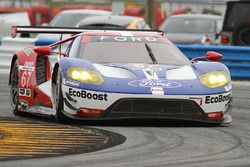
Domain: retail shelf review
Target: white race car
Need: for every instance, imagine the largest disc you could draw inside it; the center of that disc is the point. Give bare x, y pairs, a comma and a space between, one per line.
108, 74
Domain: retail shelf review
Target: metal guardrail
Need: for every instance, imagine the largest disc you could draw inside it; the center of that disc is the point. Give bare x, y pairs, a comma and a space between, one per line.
236, 58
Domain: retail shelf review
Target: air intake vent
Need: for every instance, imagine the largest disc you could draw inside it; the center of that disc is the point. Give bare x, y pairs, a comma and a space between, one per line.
41, 69
180, 108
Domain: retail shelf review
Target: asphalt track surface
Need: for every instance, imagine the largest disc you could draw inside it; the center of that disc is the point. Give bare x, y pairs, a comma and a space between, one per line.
158, 143
34, 139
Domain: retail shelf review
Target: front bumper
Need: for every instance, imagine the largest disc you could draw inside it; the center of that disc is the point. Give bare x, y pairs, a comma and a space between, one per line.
86, 104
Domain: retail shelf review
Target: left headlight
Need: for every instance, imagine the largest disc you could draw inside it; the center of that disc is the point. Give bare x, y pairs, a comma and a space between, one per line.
215, 79
85, 75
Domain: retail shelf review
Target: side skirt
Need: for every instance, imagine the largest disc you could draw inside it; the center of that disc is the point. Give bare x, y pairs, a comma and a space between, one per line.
39, 110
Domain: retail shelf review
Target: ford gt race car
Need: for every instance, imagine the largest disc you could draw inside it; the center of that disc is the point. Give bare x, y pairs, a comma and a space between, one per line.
110, 74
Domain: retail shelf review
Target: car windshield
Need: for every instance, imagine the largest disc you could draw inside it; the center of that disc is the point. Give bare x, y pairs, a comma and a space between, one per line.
67, 20
102, 26
189, 25
131, 52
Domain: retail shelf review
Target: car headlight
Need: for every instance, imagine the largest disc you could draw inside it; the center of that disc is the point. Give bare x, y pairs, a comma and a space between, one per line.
85, 76
214, 79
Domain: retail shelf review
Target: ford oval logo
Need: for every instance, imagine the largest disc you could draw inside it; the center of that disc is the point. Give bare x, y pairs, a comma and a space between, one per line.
155, 83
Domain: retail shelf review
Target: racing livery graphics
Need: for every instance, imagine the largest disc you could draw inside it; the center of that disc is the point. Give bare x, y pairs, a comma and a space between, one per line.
132, 74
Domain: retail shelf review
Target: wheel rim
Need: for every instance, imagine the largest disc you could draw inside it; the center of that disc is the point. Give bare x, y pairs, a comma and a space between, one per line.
14, 86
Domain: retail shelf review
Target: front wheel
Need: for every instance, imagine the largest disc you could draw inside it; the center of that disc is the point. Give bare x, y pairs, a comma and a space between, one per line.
14, 89
60, 117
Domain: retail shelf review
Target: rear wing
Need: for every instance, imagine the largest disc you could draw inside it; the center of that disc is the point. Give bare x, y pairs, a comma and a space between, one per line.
72, 30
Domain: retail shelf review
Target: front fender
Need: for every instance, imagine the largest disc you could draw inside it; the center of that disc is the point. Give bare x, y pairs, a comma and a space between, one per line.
22, 56
206, 67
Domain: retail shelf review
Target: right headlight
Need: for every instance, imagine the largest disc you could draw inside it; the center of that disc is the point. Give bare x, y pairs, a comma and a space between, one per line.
215, 79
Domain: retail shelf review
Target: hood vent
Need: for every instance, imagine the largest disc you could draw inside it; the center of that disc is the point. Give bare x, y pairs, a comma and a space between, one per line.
182, 73
115, 72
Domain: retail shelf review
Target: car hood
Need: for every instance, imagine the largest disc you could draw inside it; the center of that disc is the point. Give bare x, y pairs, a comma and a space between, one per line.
188, 38
137, 78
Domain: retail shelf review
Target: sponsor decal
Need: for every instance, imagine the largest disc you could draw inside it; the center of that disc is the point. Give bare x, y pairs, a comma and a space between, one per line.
86, 95
217, 99
28, 66
24, 92
199, 100
29, 63
28, 51
119, 38
155, 83
157, 91
72, 83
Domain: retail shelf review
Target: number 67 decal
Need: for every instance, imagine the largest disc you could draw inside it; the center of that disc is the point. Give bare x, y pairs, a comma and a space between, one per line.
25, 78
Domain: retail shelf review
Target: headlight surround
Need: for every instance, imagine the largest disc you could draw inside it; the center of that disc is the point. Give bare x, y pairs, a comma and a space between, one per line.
85, 75
215, 79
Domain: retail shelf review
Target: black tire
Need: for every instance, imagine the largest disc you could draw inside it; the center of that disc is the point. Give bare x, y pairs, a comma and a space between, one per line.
58, 97
241, 35
14, 89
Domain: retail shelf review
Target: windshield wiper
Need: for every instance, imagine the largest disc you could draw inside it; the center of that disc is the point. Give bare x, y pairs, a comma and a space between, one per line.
150, 53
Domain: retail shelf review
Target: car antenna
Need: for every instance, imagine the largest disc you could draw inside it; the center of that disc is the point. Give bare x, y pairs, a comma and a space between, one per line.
150, 53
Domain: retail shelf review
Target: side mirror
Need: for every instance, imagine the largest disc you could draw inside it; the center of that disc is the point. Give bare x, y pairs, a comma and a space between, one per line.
43, 50
212, 56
